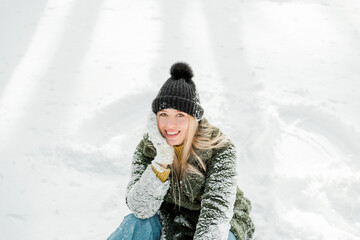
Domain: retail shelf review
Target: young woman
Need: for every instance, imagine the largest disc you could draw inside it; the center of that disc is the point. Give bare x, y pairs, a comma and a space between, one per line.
183, 180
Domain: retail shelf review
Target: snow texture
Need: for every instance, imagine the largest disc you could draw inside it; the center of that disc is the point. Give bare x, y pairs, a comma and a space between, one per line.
279, 77
164, 152
146, 194
217, 203
145, 191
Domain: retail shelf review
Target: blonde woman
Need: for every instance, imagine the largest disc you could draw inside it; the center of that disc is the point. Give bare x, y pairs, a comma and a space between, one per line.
183, 180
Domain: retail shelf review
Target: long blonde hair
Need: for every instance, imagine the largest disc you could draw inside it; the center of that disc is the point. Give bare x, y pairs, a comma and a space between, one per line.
199, 136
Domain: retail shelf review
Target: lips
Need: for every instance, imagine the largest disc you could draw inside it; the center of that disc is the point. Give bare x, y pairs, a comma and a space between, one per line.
171, 134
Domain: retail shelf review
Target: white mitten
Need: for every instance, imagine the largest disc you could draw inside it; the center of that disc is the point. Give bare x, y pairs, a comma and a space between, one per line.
164, 152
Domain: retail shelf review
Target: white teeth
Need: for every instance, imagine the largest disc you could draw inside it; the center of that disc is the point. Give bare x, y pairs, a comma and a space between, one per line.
172, 133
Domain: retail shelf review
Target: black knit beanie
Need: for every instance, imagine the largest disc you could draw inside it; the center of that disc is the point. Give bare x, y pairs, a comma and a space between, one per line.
179, 92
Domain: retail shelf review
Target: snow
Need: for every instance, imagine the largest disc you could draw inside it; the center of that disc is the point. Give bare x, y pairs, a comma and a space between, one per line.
77, 79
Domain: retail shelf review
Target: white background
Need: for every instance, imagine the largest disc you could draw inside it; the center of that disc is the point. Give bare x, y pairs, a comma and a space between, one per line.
281, 78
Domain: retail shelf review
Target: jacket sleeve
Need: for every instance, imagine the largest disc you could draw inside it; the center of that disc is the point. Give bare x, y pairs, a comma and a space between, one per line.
219, 196
243, 226
145, 191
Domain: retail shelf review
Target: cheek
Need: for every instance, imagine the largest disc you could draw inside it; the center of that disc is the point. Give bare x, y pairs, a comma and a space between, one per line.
185, 126
160, 124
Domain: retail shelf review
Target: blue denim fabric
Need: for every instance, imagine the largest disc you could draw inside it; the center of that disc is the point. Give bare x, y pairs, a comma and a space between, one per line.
133, 228
231, 236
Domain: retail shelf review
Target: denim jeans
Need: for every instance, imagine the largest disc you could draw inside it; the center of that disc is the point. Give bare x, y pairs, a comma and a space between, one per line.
133, 228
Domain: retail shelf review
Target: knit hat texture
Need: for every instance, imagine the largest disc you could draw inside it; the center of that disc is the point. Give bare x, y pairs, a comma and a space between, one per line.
179, 92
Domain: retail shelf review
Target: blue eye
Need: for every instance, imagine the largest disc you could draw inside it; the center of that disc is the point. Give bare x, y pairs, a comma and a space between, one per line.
181, 115
162, 114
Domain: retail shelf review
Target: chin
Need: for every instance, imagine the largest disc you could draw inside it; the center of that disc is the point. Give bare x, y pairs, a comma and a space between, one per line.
173, 143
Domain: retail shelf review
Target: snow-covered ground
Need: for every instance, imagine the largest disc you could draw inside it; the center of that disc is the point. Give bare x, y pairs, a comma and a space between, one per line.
280, 77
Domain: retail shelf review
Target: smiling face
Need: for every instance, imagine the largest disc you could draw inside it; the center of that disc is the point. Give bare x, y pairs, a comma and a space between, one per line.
173, 125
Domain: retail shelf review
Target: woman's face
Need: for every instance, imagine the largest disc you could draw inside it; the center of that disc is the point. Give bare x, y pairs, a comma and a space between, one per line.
173, 125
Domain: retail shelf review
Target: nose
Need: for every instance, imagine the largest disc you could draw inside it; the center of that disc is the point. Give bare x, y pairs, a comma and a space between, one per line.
171, 122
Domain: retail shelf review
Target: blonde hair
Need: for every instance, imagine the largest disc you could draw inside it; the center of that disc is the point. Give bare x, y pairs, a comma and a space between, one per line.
198, 137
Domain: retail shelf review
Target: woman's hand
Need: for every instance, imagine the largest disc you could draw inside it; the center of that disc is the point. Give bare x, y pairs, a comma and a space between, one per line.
164, 152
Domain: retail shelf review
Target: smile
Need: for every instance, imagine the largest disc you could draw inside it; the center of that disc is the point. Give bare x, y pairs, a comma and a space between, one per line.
172, 134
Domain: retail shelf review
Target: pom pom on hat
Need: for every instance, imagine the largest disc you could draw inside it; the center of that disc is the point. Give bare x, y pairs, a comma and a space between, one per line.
179, 92
181, 70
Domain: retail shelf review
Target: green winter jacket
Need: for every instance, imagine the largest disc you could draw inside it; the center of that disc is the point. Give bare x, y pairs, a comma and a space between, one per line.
209, 205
